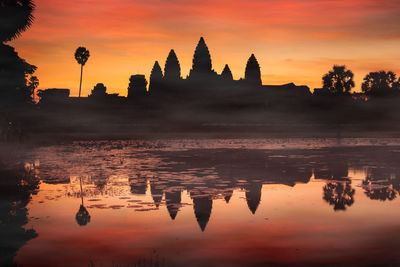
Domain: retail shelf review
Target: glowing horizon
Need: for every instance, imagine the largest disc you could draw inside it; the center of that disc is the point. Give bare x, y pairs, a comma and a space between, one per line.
294, 40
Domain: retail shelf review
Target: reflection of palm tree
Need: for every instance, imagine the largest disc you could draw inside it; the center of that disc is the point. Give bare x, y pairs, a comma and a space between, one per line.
339, 194
82, 216
81, 56
15, 18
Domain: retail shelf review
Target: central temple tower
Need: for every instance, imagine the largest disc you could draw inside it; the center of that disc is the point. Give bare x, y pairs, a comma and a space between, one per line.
202, 65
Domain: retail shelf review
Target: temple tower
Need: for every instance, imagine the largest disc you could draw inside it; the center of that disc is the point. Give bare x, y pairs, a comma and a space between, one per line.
202, 66
137, 86
156, 77
226, 74
253, 73
172, 69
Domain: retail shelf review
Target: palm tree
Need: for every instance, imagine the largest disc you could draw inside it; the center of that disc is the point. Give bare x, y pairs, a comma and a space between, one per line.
15, 17
81, 55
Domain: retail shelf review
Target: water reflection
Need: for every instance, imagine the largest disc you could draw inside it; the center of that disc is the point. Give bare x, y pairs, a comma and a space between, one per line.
173, 200
94, 173
209, 174
82, 216
202, 206
339, 194
382, 183
16, 187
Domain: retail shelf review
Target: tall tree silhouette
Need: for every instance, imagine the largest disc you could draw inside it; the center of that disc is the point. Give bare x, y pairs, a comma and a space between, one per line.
81, 55
172, 69
14, 81
15, 17
253, 72
339, 80
381, 83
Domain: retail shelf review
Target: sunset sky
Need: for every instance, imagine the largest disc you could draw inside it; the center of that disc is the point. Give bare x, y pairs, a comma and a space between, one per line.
294, 40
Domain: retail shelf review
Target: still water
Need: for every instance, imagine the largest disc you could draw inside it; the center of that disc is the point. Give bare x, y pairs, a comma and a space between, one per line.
239, 202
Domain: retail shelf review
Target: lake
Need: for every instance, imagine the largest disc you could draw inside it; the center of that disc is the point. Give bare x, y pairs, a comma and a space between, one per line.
202, 202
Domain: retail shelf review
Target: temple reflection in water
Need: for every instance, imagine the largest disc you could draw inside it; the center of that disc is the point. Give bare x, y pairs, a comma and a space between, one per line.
91, 188
210, 174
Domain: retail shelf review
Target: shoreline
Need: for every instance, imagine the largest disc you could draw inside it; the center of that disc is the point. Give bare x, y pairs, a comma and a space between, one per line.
55, 138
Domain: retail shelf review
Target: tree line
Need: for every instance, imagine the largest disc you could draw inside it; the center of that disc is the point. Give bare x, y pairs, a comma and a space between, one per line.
339, 81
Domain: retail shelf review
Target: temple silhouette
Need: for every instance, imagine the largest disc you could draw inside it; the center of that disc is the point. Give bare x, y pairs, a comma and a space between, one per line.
173, 102
210, 100
203, 86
